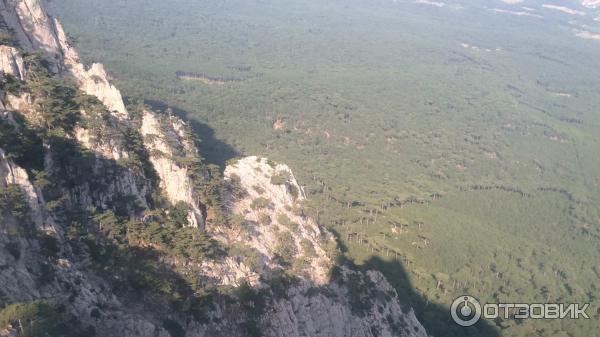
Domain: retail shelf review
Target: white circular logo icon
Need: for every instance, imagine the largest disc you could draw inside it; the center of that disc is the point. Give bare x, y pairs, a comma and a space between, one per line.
465, 310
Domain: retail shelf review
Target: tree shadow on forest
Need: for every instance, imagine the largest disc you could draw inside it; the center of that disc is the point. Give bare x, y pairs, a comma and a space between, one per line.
214, 150
434, 317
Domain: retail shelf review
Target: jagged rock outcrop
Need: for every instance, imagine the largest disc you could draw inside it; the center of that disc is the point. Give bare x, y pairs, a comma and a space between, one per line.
302, 314
285, 257
95, 82
270, 209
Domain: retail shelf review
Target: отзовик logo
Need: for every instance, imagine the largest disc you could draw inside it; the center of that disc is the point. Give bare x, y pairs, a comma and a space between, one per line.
465, 310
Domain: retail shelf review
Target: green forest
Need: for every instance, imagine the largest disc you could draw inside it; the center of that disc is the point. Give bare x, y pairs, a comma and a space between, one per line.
456, 149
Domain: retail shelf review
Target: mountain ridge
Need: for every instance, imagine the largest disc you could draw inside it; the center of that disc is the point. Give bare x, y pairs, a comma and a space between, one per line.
114, 226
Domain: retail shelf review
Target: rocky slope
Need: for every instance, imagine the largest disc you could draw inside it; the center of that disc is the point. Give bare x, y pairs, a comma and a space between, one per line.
113, 226
590, 3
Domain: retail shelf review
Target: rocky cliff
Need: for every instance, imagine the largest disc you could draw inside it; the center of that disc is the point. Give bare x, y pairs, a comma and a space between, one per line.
112, 225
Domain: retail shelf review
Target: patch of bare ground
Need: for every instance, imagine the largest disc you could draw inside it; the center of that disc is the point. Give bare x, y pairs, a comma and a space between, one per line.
564, 9
517, 13
585, 34
430, 3
205, 78
279, 124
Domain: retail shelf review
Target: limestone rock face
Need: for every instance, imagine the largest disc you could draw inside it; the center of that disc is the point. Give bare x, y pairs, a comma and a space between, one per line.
106, 149
329, 314
11, 62
13, 174
34, 29
323, 311
94, 82
174, 178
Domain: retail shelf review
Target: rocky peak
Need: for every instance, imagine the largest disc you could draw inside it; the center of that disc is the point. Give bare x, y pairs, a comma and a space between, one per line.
36, 31
268, 200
